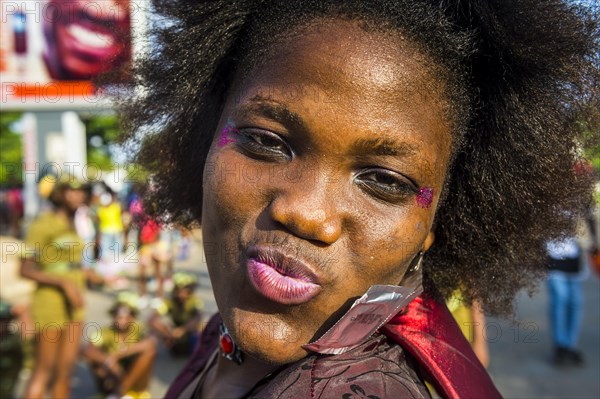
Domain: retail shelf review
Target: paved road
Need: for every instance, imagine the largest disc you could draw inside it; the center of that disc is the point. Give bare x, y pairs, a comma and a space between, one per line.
520, 353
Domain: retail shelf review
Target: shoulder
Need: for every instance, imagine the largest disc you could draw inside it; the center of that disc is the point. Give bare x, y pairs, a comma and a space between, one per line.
43, 228
43, 219
104, 337
137, 331
194, 304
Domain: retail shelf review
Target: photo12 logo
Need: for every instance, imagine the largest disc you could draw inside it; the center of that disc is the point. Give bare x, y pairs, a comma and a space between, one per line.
87, 173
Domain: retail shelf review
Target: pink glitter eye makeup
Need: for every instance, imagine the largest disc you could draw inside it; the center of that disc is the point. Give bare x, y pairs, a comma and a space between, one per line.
228, 130
425, 197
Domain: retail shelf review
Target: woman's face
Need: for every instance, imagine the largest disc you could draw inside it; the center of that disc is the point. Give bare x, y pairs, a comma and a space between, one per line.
183, 294
74, 198
322, 180
123, 319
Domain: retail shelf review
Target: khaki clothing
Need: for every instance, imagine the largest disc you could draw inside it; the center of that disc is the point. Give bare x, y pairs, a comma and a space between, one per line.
57, 249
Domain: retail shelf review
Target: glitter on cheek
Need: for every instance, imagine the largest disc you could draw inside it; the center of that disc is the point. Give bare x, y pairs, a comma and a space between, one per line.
425, 197
228, 129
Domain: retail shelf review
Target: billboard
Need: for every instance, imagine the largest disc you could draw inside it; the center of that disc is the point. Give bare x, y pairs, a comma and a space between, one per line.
52, 50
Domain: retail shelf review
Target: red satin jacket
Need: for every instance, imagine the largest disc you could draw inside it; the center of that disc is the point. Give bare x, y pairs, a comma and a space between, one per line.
421, 342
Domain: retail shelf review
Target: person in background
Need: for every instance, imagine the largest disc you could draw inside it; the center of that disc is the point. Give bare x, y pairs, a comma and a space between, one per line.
84, 225
177, 320
133, 217
156, 246
122, 356
110, 226
566, 261
566, 299
11, 351
184, 240
156, 253
52, 258
16, 209
471, 321
4, 213
567, 270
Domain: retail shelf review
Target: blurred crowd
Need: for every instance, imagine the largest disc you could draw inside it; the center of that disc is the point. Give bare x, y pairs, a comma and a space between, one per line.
89, 237
11, 210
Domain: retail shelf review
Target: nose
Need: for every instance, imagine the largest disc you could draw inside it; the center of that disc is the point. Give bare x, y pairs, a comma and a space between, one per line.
309, 208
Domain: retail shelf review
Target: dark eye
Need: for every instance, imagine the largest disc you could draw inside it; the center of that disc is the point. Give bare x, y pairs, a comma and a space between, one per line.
263, 144
386, 185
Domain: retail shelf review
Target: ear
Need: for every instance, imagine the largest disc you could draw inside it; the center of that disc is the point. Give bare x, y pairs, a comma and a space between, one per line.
428, 241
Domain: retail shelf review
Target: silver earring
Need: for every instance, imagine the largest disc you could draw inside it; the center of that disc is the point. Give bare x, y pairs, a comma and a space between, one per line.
416, 266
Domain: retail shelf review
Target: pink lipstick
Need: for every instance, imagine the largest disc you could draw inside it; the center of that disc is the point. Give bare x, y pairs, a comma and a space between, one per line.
281, 278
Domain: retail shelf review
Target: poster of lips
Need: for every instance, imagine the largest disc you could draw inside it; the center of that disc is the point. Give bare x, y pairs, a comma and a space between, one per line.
52, 52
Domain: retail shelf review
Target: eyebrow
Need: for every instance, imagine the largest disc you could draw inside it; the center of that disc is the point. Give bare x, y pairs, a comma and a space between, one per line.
382, 146
275, 111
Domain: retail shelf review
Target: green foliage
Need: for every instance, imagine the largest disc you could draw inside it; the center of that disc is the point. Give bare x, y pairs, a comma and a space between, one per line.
592, 153
589, 125
106, 127
11, 153
136, 173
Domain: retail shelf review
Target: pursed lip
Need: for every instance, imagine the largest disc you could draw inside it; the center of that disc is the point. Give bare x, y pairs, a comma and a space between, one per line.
281, 277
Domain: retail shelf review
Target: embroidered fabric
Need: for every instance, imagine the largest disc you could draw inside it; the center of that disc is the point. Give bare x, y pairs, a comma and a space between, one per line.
377, 368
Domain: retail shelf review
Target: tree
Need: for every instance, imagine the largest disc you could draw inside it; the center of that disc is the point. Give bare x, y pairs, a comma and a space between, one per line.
586, 114
11, 149
102, 130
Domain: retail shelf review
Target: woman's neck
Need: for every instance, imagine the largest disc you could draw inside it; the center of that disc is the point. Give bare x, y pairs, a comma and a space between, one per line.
123, 334
64, 212
226, 379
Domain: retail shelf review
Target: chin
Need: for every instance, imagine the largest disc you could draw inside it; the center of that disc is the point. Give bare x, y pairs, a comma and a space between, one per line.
267, 338
275, 353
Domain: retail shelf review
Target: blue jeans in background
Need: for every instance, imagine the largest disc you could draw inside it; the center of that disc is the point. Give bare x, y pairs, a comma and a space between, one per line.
566, 308
111, 245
